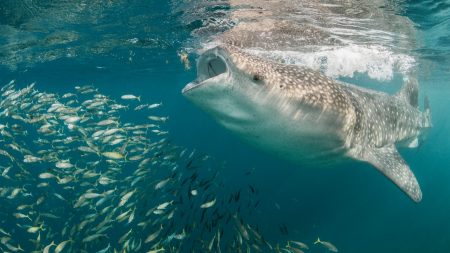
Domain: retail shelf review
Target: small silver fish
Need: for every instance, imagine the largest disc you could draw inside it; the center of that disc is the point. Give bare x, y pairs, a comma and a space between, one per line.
113, 155
130, 97
156, 105
159, 119
326, 244
153, 236
208, 204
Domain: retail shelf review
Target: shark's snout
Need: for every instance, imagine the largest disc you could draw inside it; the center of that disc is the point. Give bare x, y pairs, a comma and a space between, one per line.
211, 64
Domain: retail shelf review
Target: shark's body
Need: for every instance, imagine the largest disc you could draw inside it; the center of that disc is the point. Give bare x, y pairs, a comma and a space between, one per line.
303, 116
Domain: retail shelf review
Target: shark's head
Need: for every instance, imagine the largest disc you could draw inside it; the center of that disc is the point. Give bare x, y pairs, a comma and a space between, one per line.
229, 83
224, 69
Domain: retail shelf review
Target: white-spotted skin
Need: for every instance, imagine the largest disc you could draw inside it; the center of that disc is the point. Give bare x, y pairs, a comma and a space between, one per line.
303, 116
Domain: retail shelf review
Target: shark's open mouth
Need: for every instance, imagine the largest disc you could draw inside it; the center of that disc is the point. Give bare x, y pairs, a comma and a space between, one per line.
210, 65
216, 67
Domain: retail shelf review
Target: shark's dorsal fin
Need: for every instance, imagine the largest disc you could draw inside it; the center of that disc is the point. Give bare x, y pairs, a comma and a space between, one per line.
389, 162
410, 92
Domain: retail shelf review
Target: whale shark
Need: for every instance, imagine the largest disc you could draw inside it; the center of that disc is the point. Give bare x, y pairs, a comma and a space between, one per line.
303, 116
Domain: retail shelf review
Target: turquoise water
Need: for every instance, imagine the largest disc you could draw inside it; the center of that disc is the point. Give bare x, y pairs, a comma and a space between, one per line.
133, 47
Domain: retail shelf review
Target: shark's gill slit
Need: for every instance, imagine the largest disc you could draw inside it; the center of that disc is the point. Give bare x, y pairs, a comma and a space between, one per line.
216, 67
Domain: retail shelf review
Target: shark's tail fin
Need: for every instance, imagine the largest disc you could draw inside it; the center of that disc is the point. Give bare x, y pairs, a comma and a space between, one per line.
427, 113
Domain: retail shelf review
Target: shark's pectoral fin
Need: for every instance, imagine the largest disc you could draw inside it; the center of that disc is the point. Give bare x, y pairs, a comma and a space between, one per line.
389, 162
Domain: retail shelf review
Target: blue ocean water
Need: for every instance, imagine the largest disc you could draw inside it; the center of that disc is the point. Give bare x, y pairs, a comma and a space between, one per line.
134, 47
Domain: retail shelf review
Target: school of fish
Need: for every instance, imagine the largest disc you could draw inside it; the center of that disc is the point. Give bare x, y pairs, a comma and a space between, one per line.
75, 177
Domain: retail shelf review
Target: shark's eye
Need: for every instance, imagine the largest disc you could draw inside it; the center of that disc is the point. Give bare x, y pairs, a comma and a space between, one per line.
258, 79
